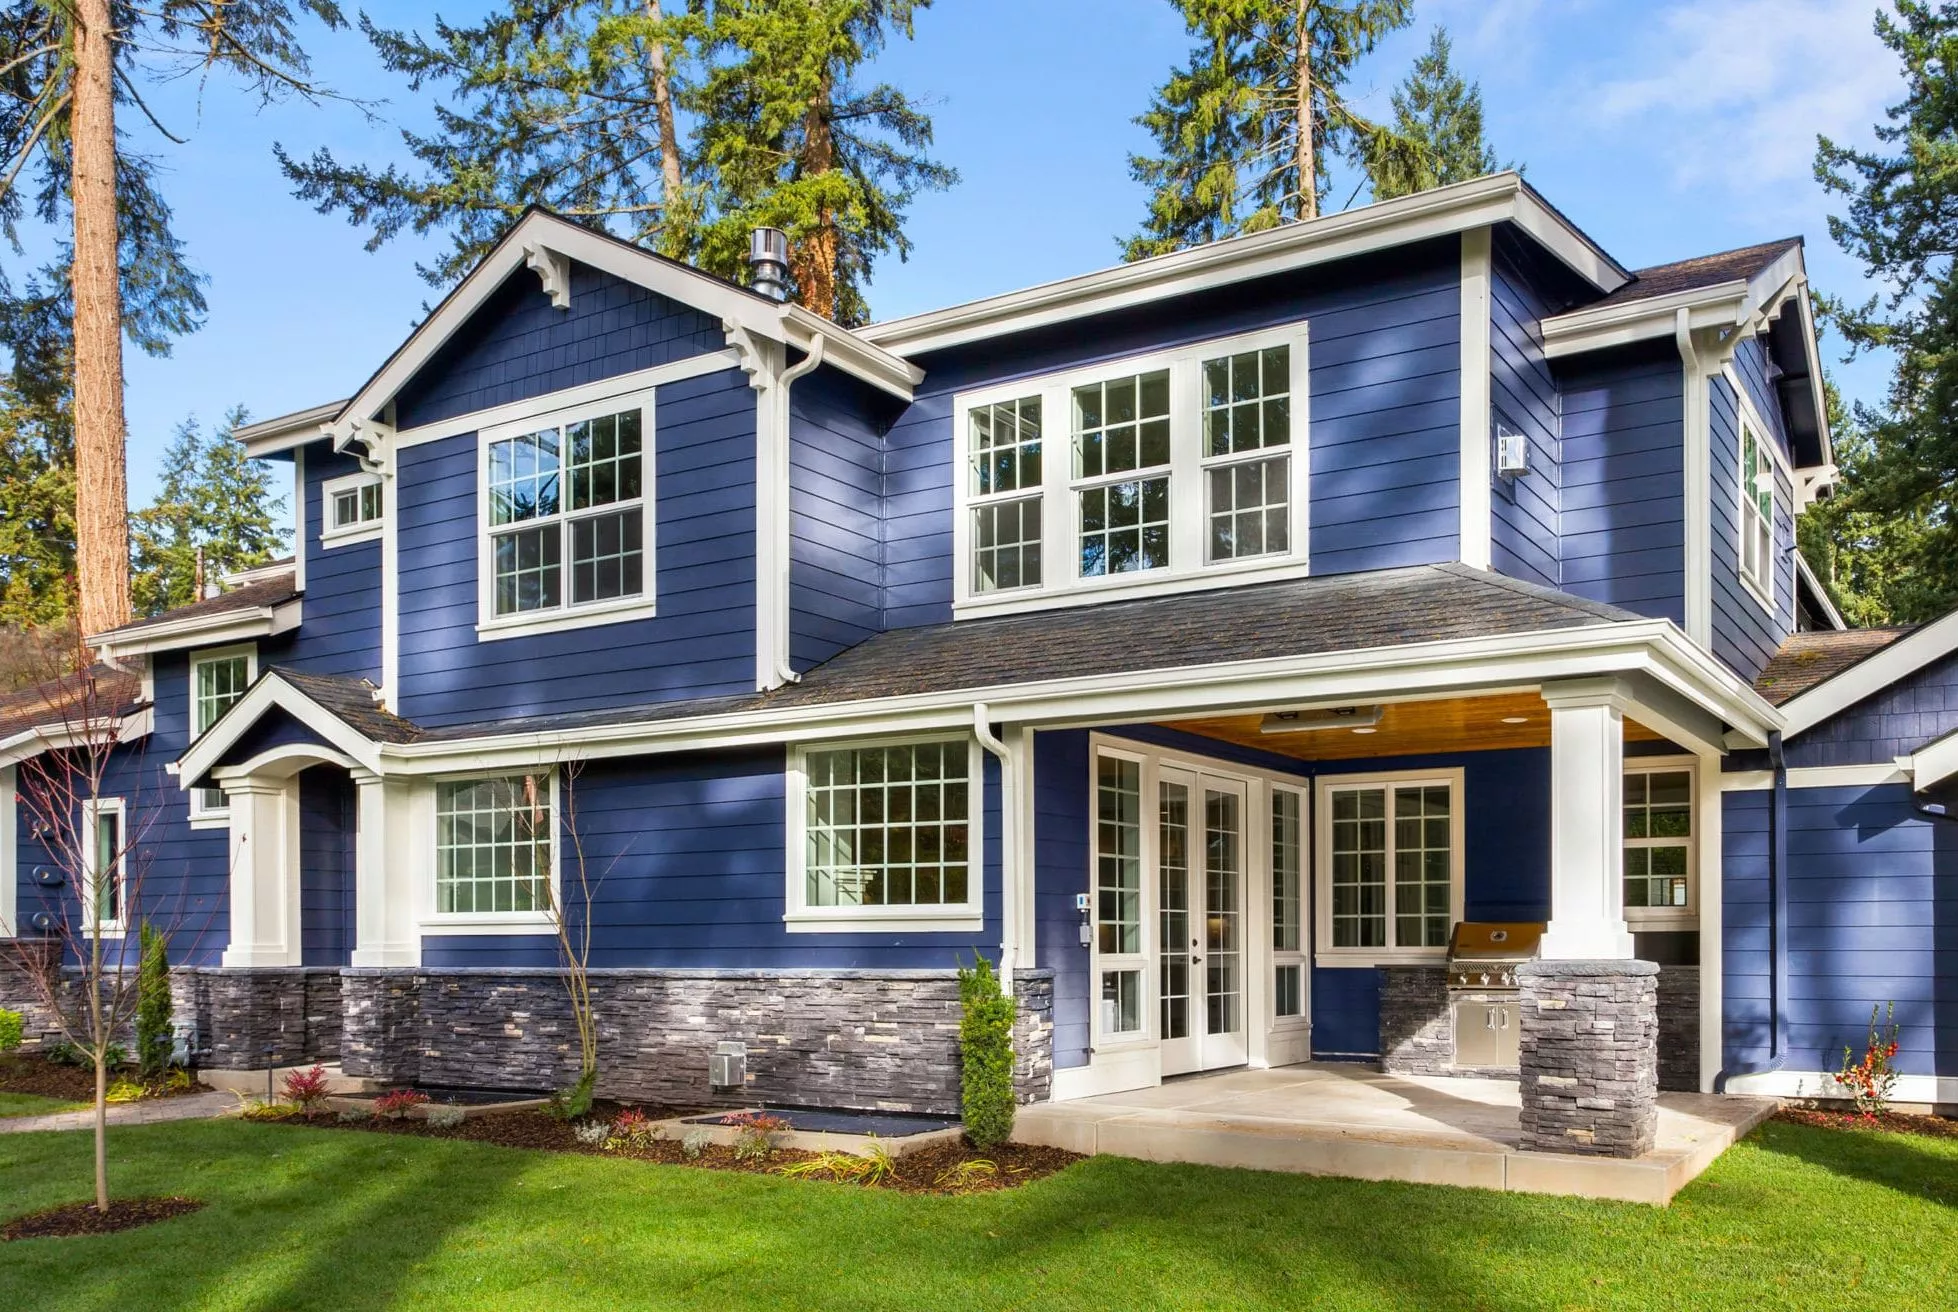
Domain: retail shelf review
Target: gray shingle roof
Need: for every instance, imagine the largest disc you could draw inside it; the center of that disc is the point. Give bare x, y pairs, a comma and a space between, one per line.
54, 703
273, 591
351, 701
1700, 271
1806, 660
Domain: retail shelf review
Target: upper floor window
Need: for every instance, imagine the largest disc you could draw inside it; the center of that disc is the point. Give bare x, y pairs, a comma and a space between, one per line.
1177, 465
1756, 512
567, 518
218, 681
351, 509
1391, 847
1659, 856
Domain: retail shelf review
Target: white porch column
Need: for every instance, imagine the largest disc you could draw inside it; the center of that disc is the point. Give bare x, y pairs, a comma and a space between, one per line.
1587, 784
264, 872
384, 898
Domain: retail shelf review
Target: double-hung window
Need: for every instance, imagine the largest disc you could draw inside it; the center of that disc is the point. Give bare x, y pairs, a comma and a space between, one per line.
1287, 917
351, 509
1756, 512
217, 681
1175, 466
105, 889
494, 847
568, 511
1391, 849
1659, 856
884, 833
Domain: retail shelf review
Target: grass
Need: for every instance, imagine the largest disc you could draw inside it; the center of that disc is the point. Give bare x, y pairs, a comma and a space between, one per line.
31, 1104
1794, 1217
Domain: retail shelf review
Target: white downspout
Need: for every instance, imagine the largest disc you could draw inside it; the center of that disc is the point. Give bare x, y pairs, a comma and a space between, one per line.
780, 475
1009, 845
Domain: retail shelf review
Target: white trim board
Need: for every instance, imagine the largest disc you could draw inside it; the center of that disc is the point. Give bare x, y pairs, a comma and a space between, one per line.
9, 853
1871, 675
209, 630
1477, 427
1820, 776
1930, 1089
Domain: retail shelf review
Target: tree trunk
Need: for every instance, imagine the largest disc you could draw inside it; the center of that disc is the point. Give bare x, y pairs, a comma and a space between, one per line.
1305, 149
812, 261
674, 223
101, 480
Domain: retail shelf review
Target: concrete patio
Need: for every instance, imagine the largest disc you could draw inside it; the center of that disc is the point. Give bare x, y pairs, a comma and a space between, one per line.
1350, 1120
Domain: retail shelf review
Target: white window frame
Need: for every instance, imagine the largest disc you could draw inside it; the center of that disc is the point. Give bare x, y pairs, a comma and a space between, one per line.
1688, 916
9, 855
1302, 956
489, 625
93, 809
203, 815
1189, 567
1325, 953
451, 923
1747, 416
799, 917
1143, 961
335, 534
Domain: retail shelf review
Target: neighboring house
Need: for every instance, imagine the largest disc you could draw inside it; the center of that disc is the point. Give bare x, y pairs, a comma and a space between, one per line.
1201, 638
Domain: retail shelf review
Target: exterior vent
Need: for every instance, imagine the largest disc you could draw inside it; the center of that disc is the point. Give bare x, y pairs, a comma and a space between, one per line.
727, 1068
768, 257
1512, 452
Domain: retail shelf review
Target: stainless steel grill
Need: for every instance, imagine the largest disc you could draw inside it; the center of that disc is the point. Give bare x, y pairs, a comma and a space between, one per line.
1483, 993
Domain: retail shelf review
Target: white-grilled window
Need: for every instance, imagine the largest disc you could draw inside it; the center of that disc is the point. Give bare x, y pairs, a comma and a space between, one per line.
1118, 900
1287, 916
567, 518
1756, 512
351, 509
1659, 856
1391, 849
1121, 468
1247, 432
1005, 480
494, 847
887, 832
105, 890
217, 681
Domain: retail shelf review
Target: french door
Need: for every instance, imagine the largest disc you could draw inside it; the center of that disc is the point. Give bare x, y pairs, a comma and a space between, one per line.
1201, 933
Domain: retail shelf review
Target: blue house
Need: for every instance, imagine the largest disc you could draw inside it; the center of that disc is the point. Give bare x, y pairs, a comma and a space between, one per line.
1202, 639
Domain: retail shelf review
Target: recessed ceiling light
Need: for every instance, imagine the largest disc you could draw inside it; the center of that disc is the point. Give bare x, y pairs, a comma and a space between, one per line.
1366, 731
1515, 719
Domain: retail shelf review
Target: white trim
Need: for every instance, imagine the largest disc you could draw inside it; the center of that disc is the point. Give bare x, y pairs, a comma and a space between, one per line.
1825, 776
267, 694
566, 615
1804, 572
1188, 567
390, 697
283, 762
1696, 421
201, 815
798, 917
1934, 762
1871, 675
289, 432
1477, 432
1709, 822
333, 534
424, 813
1748, 416
1325, 954
569, 398
93, 809
1688, 916
1721, 308
1439, 212
1114, 1071
206, 630
1937, 1090
9, 851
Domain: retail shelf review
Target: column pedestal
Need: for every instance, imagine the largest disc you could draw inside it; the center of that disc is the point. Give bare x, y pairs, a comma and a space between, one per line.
1590, 1061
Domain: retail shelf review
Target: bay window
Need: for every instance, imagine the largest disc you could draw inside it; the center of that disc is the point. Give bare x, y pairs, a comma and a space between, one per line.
1391, 849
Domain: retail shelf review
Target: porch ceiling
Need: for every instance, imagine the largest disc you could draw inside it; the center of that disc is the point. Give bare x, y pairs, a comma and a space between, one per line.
1414, 728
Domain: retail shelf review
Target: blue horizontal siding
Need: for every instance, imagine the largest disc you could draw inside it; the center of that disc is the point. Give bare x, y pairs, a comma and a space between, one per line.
340, 630
326, 867
701, 641
1525, 526
1746, 632
836, 517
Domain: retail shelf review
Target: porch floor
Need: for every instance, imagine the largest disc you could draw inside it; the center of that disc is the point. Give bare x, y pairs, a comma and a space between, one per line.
1350, 1120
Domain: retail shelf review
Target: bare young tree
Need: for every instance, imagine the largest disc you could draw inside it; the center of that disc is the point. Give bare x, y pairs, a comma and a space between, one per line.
571, 915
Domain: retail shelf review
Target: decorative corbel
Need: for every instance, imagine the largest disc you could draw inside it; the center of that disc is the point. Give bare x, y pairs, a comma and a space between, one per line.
370, 441
553, 269
752, 362
1811, 485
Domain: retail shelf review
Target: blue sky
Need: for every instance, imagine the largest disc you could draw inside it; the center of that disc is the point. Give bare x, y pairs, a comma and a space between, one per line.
1664, 130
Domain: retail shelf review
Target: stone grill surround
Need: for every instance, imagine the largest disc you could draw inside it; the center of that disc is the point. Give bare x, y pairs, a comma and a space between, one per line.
1590, 1063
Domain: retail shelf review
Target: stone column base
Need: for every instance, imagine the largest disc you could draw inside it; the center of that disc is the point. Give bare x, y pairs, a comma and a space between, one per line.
1590, 1063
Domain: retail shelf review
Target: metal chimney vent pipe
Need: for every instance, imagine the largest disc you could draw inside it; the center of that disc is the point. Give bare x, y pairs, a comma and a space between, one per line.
768, 256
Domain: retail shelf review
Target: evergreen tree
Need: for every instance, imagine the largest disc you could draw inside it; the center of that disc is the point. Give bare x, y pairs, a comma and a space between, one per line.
1247, 129
1903, 225
569, 104
37, 509
213, 515
1437, 133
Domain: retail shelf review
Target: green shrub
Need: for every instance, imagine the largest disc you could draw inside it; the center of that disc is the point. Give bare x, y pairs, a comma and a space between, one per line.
11, 1027
67, 1054
985, 1056
153, 1038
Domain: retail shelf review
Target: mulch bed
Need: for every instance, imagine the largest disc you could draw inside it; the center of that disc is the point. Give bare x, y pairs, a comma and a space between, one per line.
918, 1171
1932, 1127
71, 1219
29, 1072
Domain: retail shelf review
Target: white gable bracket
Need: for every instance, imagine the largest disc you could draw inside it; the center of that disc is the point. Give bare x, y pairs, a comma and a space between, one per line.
553, 269
370, 441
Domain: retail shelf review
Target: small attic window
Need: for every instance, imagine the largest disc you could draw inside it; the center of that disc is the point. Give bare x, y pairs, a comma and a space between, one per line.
351, 509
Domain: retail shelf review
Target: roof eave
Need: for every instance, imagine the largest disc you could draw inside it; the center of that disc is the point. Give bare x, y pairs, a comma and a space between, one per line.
199, 631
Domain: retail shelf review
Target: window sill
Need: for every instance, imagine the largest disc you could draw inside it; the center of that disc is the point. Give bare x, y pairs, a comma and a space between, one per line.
489, 924
1146, 583
1358, 957
559, 621
210, 820
953, 921
1753, 588
347, 537
1662, 918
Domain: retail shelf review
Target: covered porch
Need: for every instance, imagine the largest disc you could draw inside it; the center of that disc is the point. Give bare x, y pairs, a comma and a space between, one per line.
1345, 1119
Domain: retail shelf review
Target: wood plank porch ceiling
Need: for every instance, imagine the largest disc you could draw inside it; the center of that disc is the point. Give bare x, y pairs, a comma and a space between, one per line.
1456, 724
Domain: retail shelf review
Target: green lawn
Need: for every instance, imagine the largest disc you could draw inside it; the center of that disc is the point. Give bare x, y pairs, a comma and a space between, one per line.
28, 1104
1793, 1218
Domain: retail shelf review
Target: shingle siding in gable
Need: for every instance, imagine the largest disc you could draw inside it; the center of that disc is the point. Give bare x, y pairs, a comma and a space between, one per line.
836, 533
701, 642
1526, 510
1385, 411
517, 345
1895, 722
1623, 511
1745, 631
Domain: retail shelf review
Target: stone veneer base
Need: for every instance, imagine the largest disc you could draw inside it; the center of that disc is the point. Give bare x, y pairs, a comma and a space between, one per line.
1590, 1061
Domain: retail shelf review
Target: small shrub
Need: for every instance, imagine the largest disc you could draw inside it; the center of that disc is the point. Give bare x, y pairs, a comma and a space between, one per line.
694, 1143
444, 1116
125, 1091
1871, 1080
356, 1115
306, 1090
176, 1081
257, 1109
569, 1104
877, 1165
632, 1131
12, 1026
397, 1103
67, 1054
154, 1041
961, 1176
592, 1134
755, 1135
985, 1056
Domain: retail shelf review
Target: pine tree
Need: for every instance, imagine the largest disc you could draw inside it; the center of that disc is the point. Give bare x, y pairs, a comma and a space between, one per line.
1902, 225
37, 510
569, 104
1247, 129
1437, 130
213, 515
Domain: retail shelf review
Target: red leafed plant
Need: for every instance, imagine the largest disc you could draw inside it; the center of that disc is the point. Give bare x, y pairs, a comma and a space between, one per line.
1871, 1080
396, 1103
306, 1090
755, 1133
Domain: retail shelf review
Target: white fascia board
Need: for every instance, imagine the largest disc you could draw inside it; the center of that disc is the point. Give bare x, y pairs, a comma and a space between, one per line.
1805, 307
1934, 762
1721, 305
271, 436
851, 353
30, 743
1808, 575
1871, 675
267, 694
1441, 212
201, 631
1648, 647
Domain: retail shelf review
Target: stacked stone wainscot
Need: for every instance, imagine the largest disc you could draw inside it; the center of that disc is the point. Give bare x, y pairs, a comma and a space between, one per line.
1590, 1059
